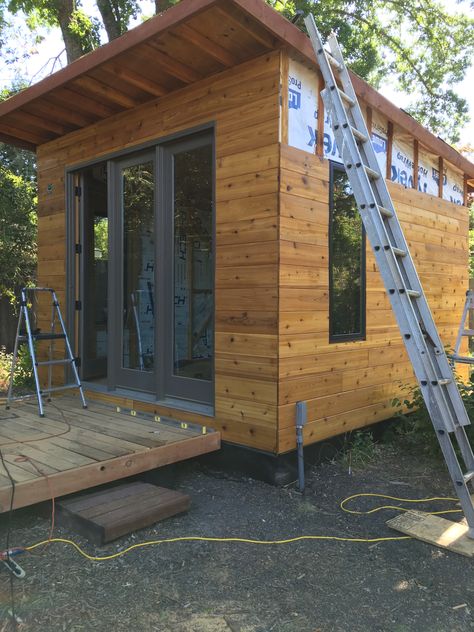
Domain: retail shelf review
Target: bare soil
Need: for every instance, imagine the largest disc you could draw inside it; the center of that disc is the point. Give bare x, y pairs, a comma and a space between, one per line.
206, 587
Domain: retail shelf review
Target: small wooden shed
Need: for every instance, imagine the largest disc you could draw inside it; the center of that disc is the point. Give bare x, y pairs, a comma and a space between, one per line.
197, 223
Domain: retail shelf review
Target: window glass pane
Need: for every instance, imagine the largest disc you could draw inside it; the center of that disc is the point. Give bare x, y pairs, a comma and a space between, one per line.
138, 266
347, 261
193, 325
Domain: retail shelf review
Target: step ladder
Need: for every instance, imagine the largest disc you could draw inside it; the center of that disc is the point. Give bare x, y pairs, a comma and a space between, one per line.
408, 301
25, 334
464, 331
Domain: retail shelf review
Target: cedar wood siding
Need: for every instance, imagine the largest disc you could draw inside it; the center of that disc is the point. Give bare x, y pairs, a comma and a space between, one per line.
244, 104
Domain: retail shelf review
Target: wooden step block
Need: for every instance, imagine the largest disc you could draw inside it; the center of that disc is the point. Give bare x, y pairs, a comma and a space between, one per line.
435, 530
109, 514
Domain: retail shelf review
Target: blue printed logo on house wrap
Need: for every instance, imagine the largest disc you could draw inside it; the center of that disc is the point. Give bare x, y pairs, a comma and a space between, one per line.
294, 99
379, 144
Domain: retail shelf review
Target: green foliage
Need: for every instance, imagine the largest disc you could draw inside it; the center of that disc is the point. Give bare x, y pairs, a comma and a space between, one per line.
17, 231
359, 449
23, 376
422, 46
415, 426
85, 29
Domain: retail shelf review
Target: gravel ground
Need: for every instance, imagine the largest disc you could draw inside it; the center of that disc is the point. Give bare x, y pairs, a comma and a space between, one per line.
206, 587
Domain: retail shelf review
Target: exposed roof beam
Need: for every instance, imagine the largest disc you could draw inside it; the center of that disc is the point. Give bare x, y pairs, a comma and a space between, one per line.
219, 53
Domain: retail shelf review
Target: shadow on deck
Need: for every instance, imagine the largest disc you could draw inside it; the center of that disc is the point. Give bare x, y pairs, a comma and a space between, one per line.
72, 449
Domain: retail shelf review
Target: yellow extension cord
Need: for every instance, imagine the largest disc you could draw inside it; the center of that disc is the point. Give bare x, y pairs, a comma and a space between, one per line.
139, 545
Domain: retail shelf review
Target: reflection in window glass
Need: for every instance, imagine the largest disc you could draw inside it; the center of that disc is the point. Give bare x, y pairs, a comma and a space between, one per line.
346, 261
138, 266
193, 325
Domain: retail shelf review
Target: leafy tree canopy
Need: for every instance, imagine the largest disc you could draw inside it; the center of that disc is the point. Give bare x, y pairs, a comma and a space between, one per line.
17, 231
17, 214
423, 47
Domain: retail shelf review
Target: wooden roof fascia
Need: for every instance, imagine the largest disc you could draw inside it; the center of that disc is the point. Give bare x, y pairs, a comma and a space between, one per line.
291, 34
139, 35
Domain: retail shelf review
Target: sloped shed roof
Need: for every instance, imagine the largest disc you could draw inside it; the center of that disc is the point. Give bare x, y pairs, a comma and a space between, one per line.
192, 40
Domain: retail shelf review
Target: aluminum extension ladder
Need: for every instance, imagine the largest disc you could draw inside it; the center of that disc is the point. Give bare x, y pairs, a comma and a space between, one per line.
383, 229
464, 331
29, 336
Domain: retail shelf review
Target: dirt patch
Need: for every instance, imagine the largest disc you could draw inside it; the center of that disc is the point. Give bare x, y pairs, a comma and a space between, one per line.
206, 587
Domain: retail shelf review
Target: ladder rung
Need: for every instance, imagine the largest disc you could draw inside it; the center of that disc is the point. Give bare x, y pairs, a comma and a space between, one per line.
462, 359
468, 332
47, 336
52, 362
359, 136
333, 61
345, 97
385, 211
468, 476
55, 389
444, 381
398, 252
413, 293
371, 173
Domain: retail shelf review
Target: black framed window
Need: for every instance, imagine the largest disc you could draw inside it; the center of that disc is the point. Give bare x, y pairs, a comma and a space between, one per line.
346, 261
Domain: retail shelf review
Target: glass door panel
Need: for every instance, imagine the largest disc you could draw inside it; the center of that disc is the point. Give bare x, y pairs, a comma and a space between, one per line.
138, 334
94, 273
135, 258
190, 359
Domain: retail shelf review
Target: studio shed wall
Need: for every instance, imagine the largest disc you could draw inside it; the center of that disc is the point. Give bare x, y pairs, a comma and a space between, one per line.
352, 384
244, 105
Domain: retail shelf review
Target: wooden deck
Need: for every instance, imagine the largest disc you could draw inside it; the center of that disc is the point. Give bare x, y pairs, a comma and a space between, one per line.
71, 449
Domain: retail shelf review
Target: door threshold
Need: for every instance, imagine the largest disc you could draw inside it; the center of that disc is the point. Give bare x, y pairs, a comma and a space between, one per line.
139, 396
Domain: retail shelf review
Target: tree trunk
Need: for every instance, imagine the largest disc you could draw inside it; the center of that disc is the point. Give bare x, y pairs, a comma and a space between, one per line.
163, 5
109, 18
64, 10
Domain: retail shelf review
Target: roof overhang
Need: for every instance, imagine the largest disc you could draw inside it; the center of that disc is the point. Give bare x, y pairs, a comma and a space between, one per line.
193, 40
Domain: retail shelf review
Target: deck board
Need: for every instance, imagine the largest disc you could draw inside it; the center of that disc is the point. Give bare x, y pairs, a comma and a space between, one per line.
72, 449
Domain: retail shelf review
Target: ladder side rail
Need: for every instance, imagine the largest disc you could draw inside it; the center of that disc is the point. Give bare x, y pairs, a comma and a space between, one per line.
51, 348
70, 354
465, 311
29, 335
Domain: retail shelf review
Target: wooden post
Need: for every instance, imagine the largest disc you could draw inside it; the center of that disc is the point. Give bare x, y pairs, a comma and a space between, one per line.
465, 191
440, 169
320, 130
388, 174
416, 162
369, 119
284, 73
